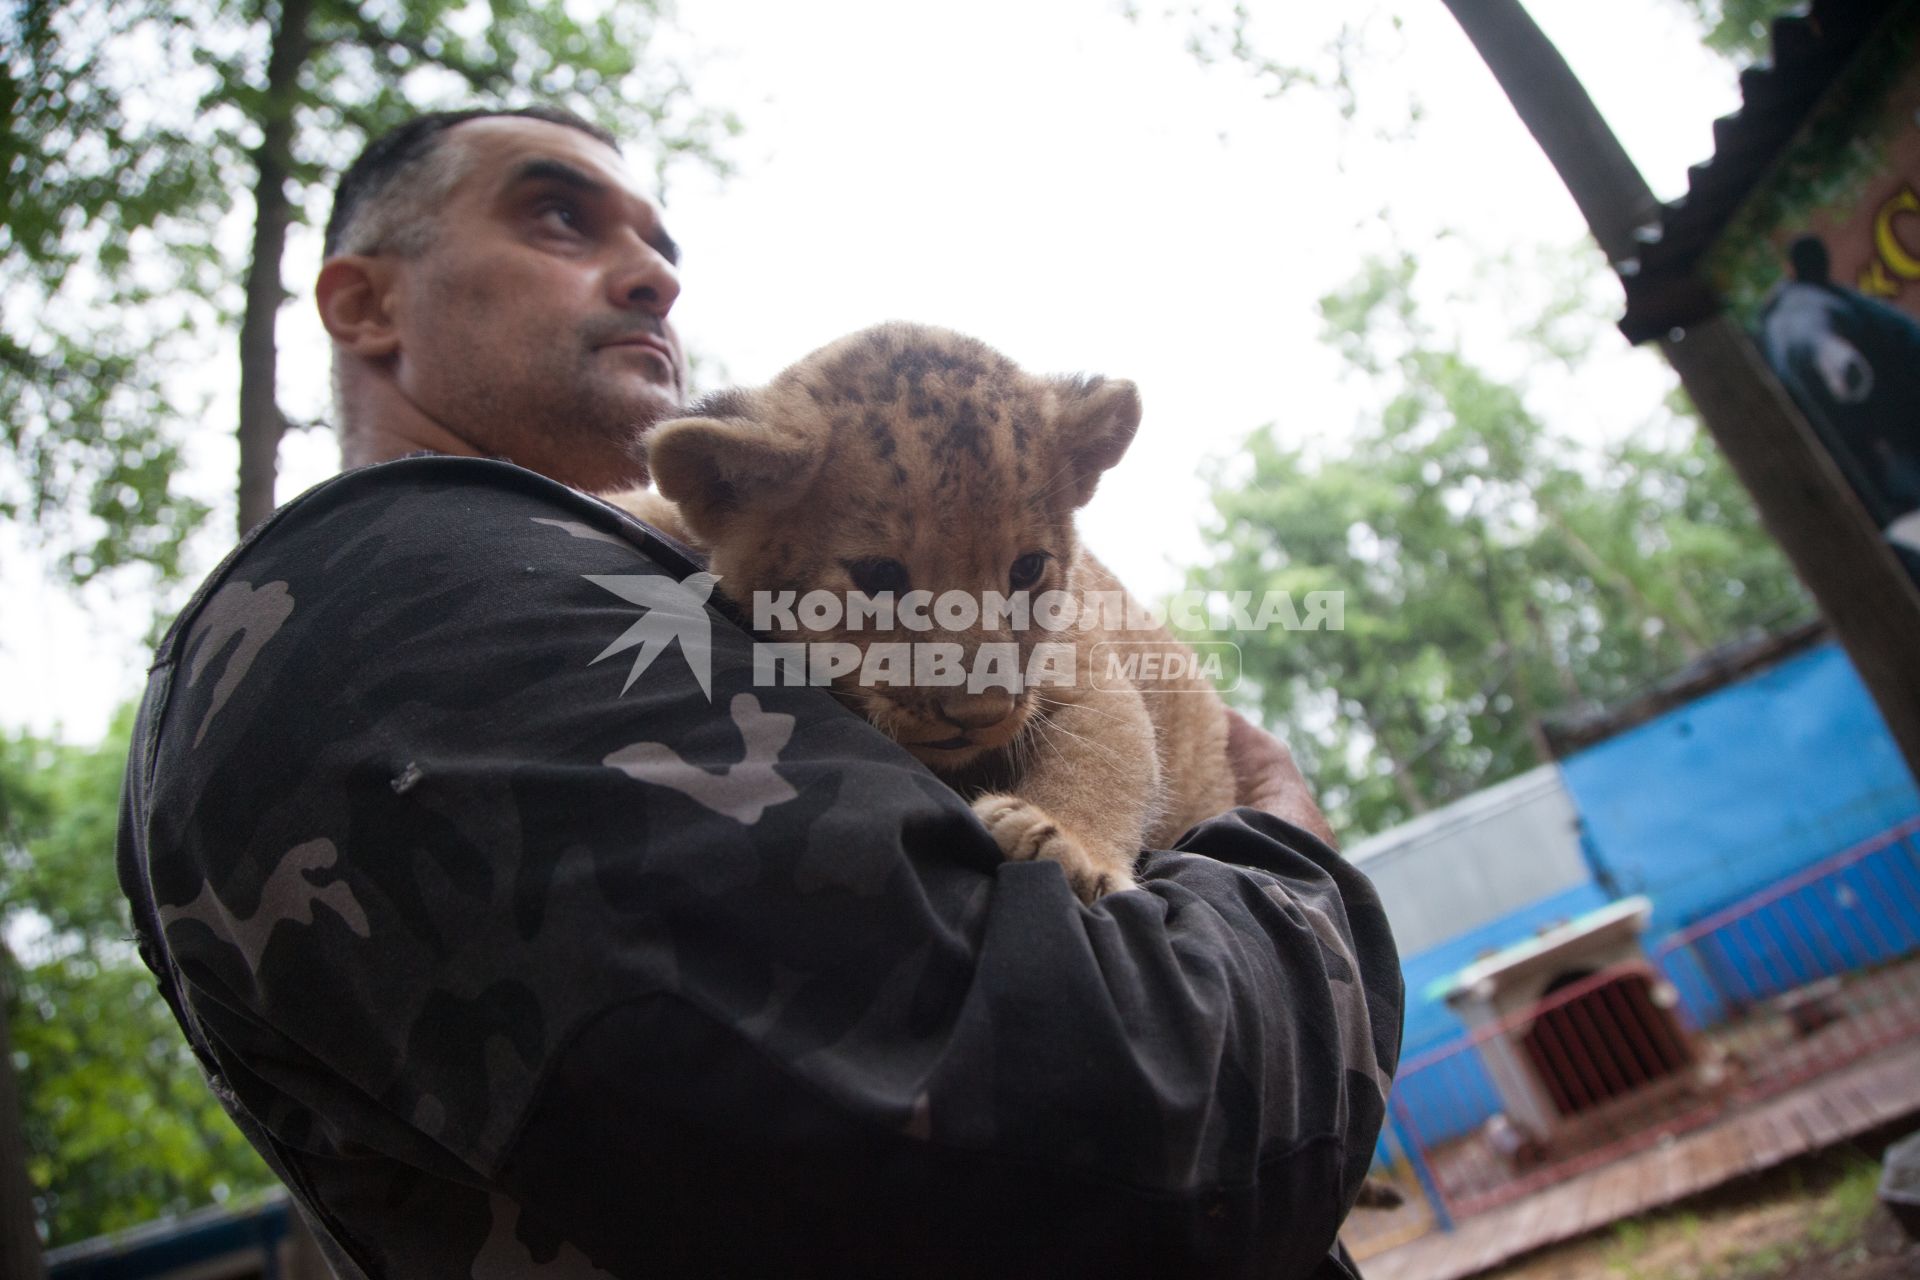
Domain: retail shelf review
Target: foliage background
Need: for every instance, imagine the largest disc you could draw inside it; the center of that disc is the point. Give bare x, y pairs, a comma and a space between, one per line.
119, 1125
1495, 572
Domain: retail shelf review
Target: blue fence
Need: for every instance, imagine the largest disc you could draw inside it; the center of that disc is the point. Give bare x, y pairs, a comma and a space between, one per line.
1857, 910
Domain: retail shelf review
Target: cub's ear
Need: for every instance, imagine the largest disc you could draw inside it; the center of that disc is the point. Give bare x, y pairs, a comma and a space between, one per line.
1098, 417
718, 468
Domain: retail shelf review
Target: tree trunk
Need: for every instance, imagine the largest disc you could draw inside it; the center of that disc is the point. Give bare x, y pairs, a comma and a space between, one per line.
1552, 103
19, 1238
1403, 779
1692, 644
1516, 668
261, 422
1807, 506
1569, 681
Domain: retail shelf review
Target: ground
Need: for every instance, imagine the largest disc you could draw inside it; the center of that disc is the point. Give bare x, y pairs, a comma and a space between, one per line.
1814, 1219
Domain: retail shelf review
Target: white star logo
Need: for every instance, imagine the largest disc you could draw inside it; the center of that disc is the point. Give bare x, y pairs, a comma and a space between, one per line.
674, 611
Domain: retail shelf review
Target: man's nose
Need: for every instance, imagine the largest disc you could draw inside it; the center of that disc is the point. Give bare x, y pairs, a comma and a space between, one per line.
643, 279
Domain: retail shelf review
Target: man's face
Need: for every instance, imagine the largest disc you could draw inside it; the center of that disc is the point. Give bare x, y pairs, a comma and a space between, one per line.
535, 324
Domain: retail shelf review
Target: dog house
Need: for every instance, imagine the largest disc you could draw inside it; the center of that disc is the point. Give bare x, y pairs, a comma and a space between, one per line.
1575, 1026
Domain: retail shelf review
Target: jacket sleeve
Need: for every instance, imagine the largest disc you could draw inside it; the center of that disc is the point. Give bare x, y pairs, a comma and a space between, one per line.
531, 924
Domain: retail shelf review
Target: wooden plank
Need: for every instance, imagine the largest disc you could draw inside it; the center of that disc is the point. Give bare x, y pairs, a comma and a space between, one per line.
1827, 1103
1696, 1165
1439, 1255
1746, 1142
1892, 1095
1813, 1120
1854, 1112
1565, 1211
1551, 1215
1738, 1147
1620, 1191
1490, 1247
1727, 1156
1788, 1135
1512, 1230
1403, 1263
1663, 1173
1537, 1213
1574, 1211
1892, 1086
1772, 1137
1462, 1249
1886, 1091
1433, 1260
1793, 1135
1394, 1264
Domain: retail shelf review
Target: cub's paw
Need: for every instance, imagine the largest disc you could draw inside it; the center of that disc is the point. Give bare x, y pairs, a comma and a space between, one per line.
1025, 832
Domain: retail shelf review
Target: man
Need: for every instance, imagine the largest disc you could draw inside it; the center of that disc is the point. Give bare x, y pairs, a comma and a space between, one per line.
515, 961
498, 287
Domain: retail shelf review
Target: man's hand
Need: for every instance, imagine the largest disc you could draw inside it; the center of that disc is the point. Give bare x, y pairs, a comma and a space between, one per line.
1265, 777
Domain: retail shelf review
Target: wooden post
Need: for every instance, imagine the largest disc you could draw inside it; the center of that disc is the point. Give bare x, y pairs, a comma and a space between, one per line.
301, 1256
1813, 513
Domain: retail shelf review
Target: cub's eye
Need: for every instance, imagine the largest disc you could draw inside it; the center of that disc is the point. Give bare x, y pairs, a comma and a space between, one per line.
876, 576
1027, 570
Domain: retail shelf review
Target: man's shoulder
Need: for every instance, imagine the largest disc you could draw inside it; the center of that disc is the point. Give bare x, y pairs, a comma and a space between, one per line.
428, 582
432, 499
406, 620
477, 486
417, 523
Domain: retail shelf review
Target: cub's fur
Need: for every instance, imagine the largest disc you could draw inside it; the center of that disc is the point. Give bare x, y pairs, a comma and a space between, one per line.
915, 459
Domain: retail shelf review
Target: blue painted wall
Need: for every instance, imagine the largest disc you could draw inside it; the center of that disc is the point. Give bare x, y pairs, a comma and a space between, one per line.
1751, 783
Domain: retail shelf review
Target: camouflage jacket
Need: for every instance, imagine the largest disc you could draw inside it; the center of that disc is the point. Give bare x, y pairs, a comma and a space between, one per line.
526, 935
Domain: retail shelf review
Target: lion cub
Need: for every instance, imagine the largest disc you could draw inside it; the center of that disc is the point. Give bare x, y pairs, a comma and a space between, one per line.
919, 469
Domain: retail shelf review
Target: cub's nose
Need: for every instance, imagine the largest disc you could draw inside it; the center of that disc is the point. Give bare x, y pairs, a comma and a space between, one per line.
977, 710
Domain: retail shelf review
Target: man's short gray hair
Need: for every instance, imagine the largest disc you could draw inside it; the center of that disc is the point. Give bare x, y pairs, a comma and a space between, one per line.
398, 218
388, 198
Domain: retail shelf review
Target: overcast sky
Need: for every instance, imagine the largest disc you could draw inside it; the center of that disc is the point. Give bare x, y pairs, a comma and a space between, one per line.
1078, 191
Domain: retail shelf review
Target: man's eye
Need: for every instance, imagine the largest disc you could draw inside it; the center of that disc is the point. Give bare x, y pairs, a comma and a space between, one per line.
560, 213
876, 576
1026, 571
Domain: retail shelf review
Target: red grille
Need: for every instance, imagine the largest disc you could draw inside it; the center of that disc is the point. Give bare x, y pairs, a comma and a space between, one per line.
1604, 1044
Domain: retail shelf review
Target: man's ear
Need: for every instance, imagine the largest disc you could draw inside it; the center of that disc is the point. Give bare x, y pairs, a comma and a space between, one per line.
719, 468
352, 295
1098, 417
